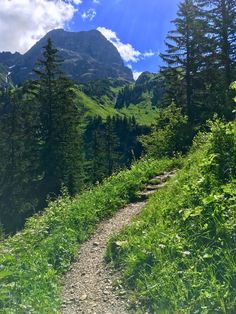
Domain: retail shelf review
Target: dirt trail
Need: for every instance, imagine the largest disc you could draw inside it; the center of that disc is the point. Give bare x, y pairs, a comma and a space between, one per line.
88, 285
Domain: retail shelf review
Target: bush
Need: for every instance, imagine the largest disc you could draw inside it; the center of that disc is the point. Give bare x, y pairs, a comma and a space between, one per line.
169, 135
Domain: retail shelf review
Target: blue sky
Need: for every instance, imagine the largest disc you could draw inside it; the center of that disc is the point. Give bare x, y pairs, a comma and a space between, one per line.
141, 23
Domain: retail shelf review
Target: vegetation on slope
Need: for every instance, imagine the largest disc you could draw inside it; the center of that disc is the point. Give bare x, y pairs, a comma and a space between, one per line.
95, 106
179, 256
52, 134
32, 260
142, 99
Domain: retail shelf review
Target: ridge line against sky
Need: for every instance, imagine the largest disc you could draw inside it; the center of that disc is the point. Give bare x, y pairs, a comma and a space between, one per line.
137, 28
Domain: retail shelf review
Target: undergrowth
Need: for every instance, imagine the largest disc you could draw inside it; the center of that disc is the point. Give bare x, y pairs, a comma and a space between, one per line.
179, 255
32, 261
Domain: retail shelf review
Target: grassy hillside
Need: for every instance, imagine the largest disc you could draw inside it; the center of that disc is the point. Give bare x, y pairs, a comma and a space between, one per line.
32, 260
93, 107
144, 112
108, 97
179, 256
141, 99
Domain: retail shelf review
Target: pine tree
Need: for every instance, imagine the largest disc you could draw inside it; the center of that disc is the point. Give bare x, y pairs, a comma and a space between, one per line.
61, 155
112, 144
94, 138
221, 16
19, 167
185, 48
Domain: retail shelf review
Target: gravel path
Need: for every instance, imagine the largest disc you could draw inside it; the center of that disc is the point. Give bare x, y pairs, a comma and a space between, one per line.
87, 287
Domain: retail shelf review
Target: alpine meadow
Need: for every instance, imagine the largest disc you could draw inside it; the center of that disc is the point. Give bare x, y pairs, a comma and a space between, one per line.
118, 157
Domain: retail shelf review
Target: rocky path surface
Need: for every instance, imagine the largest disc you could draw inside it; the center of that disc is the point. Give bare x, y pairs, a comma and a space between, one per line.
87, 287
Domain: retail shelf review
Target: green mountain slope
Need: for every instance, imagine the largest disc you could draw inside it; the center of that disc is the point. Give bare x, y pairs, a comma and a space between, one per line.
179, 255
116, 97
93, 108
142, 98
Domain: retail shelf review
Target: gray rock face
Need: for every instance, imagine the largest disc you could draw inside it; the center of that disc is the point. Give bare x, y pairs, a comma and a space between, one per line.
87, 56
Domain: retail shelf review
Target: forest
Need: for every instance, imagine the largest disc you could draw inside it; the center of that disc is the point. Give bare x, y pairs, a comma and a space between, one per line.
68, 170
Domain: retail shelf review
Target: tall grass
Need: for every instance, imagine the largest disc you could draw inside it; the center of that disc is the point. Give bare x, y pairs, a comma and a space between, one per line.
179, 256
32, 261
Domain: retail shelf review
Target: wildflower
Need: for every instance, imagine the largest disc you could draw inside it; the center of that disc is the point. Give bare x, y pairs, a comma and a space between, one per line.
186, 253
162, 246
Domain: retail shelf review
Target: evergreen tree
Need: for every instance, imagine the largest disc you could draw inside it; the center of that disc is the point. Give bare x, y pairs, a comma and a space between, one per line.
112, 143
221, 15
94, 138
19, 160
61, 156
184, 57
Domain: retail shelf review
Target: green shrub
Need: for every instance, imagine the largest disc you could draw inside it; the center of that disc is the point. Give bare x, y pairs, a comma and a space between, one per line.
169, 135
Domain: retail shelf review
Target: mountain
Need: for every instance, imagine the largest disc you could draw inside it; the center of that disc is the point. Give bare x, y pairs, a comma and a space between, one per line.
87, 56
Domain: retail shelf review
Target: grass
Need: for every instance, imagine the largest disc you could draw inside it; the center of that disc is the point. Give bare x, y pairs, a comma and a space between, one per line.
179, 255
93, 108
32, 261
144, 112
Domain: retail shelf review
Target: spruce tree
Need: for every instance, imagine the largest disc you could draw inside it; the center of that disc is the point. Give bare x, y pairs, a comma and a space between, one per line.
112, 145
61, 155
94, 138
221, 16
185, 48
19, 160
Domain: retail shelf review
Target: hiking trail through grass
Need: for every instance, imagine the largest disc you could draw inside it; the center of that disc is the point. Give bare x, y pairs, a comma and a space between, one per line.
88, 286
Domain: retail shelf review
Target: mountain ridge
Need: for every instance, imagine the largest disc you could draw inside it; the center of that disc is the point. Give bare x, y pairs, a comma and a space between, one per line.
87, 55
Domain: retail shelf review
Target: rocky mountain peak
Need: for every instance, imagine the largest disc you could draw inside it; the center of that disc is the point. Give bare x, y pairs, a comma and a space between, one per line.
87, 56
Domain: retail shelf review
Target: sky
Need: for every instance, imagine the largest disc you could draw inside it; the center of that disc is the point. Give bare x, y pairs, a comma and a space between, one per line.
136, 27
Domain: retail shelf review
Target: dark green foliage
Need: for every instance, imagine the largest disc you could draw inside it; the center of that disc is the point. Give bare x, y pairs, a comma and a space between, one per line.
170, 134
19, 159
184, 51
110, 145
148, 87
200, 59
41, 142
103, 91
61, 155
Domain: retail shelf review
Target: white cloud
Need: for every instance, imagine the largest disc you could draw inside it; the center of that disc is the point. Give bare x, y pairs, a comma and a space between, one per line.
89, 15
77, 2
96, 1
149, 54
23, 22
127, 51
136, 75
